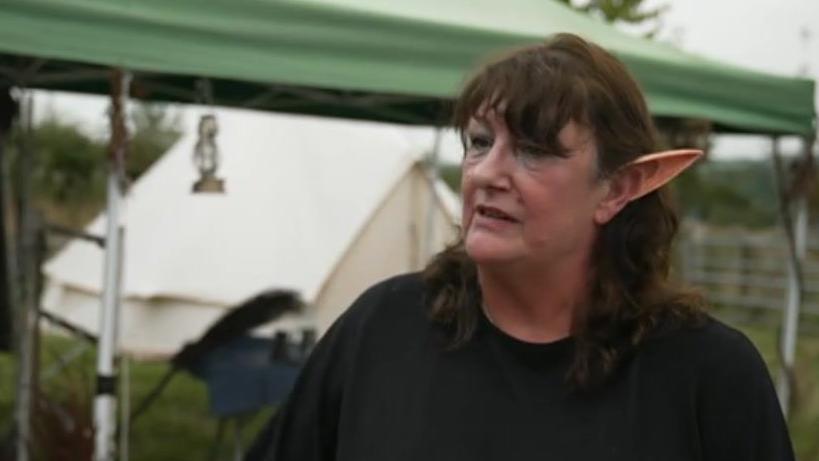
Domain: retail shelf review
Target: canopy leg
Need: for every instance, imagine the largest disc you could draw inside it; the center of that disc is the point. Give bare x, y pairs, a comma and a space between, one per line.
105, 402
793, 200
26, 294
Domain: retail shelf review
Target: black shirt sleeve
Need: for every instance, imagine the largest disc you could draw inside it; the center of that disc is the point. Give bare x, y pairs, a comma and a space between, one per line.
305, 427
738, 412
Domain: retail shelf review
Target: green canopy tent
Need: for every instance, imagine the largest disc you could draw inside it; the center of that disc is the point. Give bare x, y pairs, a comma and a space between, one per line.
365, 59
368, 59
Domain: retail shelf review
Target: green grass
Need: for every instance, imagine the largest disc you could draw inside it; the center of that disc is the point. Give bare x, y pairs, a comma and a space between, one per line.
178, 426
804, 418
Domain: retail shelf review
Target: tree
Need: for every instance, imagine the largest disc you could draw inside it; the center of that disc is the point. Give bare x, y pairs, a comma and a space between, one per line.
70, 167
621, 11
728, 193
67, 162
155, 131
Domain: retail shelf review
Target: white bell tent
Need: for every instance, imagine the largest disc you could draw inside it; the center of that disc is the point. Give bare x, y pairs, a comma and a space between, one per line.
322, 207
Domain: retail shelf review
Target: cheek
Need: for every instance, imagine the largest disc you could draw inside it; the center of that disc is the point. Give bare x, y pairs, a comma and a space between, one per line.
466, 198
464, 179
465, 216
563, 209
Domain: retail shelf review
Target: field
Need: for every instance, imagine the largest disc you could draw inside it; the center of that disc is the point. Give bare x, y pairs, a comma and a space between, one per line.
179, 426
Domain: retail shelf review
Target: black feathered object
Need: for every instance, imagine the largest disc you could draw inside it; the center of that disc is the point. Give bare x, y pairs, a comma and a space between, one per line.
253, 312
256, 311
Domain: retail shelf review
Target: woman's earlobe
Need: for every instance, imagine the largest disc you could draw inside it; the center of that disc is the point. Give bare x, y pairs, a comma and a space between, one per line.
621, 188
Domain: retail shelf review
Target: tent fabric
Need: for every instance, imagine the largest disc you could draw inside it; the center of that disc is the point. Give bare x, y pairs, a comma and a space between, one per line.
322, 207
370, 59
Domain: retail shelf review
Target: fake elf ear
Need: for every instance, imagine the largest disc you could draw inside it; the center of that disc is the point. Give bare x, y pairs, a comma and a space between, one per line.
657, 169
644, 175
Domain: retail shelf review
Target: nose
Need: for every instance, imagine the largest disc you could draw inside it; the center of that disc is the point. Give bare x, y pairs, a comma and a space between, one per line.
493, 170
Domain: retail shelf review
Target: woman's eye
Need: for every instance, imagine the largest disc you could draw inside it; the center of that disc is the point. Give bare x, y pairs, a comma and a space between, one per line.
532, 155
478, 144
530, 152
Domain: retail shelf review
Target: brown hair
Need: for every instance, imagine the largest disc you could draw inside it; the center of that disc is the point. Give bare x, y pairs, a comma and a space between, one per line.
538, 90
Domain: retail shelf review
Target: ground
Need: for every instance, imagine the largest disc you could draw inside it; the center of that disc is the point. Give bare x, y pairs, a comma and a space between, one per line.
179, 426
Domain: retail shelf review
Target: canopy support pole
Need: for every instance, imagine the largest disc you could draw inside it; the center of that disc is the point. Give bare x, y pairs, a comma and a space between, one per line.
9, 113
125, 410
27, 289
105, 401
793, 200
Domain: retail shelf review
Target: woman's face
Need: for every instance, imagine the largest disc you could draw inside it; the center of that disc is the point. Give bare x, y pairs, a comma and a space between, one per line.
525, 207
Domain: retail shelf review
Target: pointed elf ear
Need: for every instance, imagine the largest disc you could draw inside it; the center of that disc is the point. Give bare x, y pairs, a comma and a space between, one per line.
644, 175
659, 168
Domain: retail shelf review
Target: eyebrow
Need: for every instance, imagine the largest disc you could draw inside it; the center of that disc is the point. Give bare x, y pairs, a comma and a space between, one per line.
479, 122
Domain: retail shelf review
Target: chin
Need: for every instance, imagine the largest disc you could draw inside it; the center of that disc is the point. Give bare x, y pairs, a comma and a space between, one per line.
486, 253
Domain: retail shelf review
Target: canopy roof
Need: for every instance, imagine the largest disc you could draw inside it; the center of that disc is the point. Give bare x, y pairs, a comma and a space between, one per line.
369, 59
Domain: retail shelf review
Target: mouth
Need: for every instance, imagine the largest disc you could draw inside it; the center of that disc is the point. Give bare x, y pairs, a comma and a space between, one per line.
493, 213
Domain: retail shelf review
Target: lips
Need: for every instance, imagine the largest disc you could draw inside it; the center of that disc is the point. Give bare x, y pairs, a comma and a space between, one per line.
494, 213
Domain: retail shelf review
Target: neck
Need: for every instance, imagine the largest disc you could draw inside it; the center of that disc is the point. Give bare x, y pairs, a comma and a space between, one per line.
531, 305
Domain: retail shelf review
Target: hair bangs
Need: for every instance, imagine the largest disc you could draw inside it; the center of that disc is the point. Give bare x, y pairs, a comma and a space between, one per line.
532, 92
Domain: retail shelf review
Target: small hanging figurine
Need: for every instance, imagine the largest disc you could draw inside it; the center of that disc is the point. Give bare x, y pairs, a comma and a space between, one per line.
206, 157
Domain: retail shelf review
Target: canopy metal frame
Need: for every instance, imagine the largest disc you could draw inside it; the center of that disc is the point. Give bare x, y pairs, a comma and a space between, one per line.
90, 79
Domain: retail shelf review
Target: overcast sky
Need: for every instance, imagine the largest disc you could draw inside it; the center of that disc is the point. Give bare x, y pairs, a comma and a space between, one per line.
775, 36
778, 36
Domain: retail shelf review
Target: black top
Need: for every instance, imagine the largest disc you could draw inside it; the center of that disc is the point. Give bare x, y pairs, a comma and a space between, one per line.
381, 386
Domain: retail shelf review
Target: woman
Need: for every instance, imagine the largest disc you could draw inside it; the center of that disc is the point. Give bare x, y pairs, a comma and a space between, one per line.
550, 330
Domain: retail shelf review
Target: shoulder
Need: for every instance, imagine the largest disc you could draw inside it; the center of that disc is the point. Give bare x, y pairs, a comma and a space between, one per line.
393, 295
725, 378
307, 426
729, 362
707, 355
375, 310
726, 344
393, 303
705, 342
